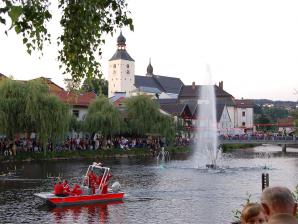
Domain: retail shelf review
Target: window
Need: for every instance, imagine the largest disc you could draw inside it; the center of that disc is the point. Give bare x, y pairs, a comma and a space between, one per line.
243, 124
76, 113
114, 65
243, 113
127, 72
127, 66
114, 72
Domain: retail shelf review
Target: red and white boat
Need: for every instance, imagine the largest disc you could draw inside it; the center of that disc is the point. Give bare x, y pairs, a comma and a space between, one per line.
94, 189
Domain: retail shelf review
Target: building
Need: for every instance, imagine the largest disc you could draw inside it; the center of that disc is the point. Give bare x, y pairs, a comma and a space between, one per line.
122, 78
244, 114
173, 96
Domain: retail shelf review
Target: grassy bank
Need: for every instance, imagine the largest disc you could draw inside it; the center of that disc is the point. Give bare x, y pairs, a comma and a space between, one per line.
88, 154
232, 147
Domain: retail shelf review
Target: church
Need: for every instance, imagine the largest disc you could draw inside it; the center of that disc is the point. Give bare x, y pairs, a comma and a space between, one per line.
174, 97
122, 78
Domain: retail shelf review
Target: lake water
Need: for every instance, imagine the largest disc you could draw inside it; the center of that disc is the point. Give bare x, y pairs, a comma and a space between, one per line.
173, 192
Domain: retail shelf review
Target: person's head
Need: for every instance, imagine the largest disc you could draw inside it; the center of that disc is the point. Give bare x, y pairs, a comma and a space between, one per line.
277, 200
253, 213
283, 218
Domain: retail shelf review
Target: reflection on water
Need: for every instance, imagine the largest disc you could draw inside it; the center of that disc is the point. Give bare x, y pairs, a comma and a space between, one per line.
82, 214
171, 193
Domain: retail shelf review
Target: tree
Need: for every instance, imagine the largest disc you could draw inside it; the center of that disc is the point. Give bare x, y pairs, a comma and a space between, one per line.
84, 24
295, 115
29, 106
103, 118
263, 119
12, 107
96, 85
144, 116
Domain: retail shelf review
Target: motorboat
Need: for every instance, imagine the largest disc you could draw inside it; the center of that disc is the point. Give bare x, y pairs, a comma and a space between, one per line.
93, 189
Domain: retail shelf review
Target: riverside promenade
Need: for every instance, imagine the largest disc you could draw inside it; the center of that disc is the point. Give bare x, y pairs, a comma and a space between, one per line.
272, 140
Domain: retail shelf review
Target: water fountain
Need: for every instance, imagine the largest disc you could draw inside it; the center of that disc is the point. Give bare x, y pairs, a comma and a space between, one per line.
206, 153
163, 156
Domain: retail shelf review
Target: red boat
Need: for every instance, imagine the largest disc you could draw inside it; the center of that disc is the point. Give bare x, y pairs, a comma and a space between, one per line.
94, 189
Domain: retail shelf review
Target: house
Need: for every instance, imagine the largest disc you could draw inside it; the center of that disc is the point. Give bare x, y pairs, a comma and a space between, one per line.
244, 114
79, 103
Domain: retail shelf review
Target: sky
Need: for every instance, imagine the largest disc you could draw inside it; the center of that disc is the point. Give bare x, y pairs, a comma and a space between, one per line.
250, 45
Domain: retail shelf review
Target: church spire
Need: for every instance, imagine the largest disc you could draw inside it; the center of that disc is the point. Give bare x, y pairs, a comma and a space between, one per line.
149, 69
121, 41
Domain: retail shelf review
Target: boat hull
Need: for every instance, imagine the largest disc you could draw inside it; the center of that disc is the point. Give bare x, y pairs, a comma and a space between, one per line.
57, 201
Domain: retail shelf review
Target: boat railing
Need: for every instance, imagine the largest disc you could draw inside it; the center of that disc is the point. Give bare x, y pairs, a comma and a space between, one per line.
104, 178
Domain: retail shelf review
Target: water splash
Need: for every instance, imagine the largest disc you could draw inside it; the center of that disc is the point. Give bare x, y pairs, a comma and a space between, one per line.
206, 153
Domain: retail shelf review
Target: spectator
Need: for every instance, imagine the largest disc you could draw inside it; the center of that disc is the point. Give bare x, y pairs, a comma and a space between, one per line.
276, 200
283, 218
253, 213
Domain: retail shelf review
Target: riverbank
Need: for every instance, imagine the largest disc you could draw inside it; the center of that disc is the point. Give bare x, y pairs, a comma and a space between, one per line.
233, 147
89, 154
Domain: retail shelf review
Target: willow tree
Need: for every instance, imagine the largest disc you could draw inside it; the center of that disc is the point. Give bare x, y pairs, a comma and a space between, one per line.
84, 23
144, 116
29, 106
165, 126
45, 112
12, 107
103, 118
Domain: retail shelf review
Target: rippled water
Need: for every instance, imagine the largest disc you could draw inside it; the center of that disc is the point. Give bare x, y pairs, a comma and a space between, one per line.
168, 193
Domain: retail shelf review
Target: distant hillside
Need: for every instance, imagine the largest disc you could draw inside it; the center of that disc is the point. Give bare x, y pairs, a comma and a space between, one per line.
277, 103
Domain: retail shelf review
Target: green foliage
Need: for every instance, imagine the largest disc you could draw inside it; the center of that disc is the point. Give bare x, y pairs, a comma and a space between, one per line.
295, 115
268, 115
75, 124
26, 107
96, 85
144, 117
12, 107
237, 212
103, 117
85, 23
275, 113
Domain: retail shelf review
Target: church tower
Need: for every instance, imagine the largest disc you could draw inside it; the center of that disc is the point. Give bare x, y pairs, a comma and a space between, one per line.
121, 70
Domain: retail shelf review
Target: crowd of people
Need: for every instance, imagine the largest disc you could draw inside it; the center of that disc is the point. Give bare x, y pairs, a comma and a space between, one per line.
277, 206
259, 136
79, 143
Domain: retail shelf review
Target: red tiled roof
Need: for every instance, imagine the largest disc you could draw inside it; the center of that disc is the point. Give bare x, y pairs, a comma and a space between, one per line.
83, 99
119, 101
244, 103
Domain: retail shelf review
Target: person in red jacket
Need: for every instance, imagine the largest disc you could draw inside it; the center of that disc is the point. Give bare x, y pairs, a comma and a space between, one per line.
59, 190
66, 187
92, 181
76, 190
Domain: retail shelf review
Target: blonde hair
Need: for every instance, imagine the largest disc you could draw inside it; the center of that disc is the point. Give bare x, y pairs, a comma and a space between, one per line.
250, 210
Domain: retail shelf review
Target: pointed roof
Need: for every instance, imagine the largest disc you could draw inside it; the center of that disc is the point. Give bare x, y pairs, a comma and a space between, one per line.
121, 52
176, 109
121, 40
149, 69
